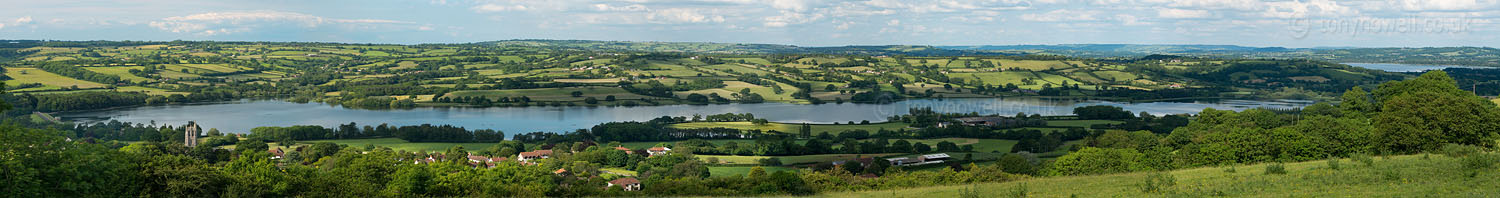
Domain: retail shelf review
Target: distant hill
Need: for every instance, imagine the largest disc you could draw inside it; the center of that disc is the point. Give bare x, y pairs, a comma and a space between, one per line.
1125, 49
739, 48
1470, 56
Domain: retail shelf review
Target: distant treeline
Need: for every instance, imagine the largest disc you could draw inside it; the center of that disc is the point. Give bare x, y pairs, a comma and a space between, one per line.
417, 133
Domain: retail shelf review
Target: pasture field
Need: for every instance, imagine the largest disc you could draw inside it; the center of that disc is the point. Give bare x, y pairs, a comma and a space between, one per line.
47, 79
1397, 176
203, 68
1033, 65
737, 68
148, 90
601, 80
122, 72
726, 171
552, 94
757, 61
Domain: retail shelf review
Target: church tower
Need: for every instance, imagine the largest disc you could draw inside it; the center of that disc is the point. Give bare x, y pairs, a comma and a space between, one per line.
190, 134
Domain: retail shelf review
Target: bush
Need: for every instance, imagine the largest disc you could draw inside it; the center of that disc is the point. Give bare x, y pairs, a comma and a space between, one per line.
770, 161
1363, 159
1333, 163
1459, 150
1479, 161
1276, 168
1229, 169
1158, 182
1019, 191
971, 192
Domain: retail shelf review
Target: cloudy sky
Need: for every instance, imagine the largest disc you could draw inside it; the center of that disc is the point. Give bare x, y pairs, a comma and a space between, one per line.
1300, 23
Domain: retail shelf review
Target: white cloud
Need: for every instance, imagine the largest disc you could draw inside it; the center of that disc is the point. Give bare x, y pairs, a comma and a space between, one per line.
1182, 14
1445, 5
682, 15
843, 25
627, 8
793, 5
893, 22
1313, 8
215, 23
1062, 15
500, 8
23, 20
790, 18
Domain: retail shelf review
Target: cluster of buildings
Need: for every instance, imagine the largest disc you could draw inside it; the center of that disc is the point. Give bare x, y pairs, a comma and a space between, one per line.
920, 160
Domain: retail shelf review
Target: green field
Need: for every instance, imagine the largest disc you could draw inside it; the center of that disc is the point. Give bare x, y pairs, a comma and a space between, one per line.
725, 171
1401, 176
793, 128
552, 94
49, 80
122, 72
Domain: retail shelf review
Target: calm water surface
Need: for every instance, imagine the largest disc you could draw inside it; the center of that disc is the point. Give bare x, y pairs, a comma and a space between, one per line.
241, 116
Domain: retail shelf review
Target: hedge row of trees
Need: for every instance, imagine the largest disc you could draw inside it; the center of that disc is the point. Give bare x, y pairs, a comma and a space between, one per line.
1421, 114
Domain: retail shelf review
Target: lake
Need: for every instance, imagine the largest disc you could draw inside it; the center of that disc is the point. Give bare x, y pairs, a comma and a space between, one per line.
241, 116
1396, 67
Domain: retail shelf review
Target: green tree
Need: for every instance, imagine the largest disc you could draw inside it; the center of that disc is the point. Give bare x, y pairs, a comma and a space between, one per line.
1090, 160
1430, 110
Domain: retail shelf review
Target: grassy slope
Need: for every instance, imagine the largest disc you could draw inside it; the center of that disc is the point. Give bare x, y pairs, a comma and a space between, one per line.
1401, 176
48, 79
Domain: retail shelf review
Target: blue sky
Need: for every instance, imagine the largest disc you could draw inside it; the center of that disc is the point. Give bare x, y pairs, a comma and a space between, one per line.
1301, 23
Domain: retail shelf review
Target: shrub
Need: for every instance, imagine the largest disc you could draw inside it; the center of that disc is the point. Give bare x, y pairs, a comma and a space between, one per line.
1333, 163
1363, 159
1479, 161
1459, 150
1230, 169
1020, 191
1158, 182
770, 161
1390, 174
1276, 168
971, 192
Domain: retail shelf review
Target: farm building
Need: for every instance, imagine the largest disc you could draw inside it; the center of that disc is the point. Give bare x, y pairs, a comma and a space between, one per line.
532, 155
654, 151
629, 184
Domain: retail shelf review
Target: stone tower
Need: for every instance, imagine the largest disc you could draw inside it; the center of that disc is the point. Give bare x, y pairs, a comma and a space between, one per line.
190, 134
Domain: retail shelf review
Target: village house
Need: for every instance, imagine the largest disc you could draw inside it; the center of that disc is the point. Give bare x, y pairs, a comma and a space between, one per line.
533, 155
628, 184
277, 153
655, 151
627, 150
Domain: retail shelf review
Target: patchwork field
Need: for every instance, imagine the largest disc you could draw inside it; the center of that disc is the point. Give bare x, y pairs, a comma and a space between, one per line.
122, 72
726, 171
48, 80
552, 94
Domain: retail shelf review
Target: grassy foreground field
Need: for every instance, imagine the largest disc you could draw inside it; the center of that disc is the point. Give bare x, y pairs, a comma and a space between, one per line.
1399, 176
